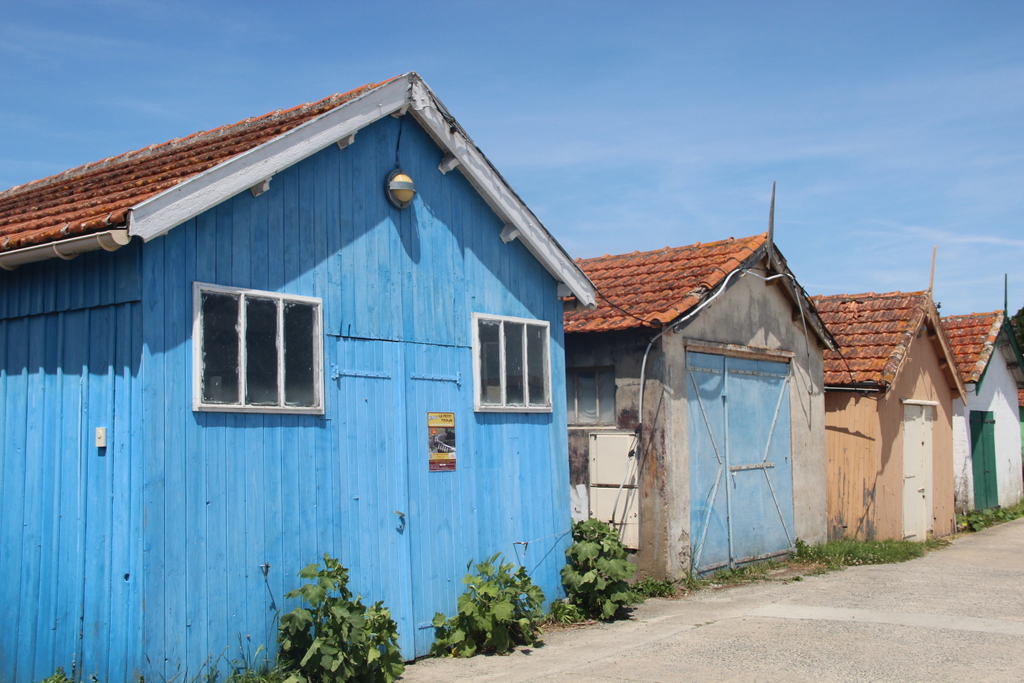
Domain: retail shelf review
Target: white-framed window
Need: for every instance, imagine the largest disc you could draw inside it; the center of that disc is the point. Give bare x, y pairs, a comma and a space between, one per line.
590, 396
511, 364
256, 352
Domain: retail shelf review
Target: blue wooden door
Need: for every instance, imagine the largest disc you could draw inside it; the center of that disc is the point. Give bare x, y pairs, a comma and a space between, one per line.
372, 445
408, 529
741, 479
440, 508
67, 556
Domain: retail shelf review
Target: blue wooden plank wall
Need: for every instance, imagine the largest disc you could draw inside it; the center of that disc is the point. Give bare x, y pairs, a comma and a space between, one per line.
70, 513
93, 279
236, 504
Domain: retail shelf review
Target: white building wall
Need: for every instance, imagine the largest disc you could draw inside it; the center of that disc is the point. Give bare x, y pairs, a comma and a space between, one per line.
963, 474
998, 394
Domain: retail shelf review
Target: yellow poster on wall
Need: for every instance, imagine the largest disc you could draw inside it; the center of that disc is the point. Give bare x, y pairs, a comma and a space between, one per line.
441, 442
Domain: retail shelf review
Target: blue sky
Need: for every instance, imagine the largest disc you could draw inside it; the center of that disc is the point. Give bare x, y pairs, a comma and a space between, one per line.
890, 127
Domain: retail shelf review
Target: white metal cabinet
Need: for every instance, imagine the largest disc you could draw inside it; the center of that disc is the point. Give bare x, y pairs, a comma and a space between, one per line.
613, 484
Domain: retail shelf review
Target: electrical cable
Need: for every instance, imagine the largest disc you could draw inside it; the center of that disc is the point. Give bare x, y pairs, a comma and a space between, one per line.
633, 458
615, 305
398, 143
838, 349
803, 320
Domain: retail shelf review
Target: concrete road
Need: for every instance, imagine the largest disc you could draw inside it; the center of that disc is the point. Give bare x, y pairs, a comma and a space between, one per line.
954, 615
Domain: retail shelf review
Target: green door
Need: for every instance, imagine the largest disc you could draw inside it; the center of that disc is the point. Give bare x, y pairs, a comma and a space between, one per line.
983, 453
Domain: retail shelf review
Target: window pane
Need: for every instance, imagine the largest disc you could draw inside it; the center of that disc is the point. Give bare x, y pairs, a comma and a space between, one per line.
220, 348
299, 354
260, 351
537, 363
515, 392
586, 397
570, 397
489, 335
606, 395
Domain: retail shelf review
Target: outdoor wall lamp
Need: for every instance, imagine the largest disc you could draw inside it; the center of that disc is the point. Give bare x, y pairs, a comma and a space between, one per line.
400, 189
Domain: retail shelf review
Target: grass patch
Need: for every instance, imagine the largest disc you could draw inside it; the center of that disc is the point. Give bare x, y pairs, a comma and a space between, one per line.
852, 553
976, 520
748, 573
268, 674
651, 588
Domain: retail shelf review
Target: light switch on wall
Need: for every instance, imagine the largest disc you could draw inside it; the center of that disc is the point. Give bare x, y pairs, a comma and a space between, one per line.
101, 437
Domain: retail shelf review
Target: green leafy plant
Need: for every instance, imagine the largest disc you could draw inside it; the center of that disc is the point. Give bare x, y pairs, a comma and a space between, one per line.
976, 520
563, 612
57, 676
652, 588
338, 638
499, 610
597, 570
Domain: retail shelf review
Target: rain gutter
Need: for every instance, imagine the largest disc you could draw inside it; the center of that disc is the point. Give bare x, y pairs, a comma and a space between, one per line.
110, 240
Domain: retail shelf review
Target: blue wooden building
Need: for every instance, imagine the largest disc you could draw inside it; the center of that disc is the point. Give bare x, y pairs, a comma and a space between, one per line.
223, 356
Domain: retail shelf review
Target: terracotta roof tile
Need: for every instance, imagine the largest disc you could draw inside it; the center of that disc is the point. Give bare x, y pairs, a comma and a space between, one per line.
95, 196
874, 332
654, 287
973, 339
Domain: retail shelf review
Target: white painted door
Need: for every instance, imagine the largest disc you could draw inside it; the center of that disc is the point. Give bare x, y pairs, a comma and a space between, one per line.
917, 474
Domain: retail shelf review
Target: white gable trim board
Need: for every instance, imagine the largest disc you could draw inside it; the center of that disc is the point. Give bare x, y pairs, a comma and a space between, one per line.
492, 187
161, 213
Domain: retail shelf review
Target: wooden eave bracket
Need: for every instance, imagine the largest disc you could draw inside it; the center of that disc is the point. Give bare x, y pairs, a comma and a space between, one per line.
509, 232
261, 187
449, 162
346, 141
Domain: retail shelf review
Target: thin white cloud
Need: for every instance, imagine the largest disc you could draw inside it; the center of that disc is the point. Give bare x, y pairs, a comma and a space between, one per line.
941, 237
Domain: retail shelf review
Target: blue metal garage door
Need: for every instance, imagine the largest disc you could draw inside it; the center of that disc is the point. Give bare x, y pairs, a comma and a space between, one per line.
741, 478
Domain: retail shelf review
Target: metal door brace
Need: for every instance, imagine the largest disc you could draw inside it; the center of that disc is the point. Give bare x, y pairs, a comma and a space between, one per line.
457, 379
337, 372
758, 466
